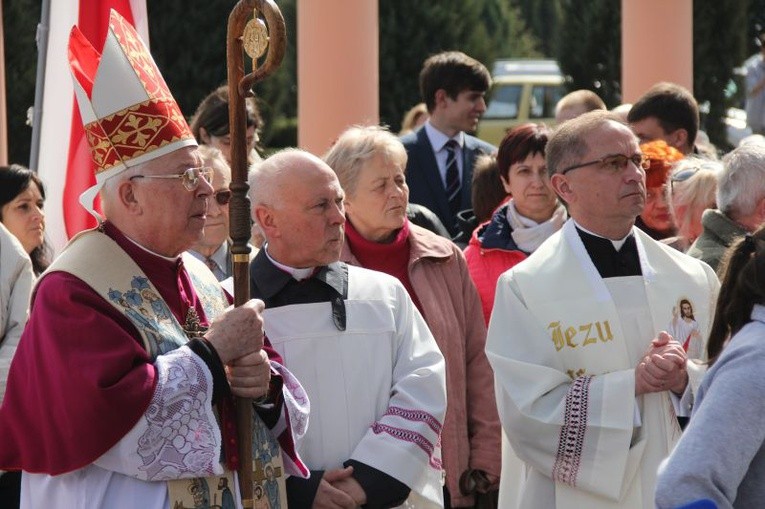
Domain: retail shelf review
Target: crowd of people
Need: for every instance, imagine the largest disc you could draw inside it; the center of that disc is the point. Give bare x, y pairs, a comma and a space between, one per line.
434, 322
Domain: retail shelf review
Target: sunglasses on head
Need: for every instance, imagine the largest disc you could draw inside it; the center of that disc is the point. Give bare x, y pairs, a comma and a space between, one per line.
684, 175
222, 197
687, 173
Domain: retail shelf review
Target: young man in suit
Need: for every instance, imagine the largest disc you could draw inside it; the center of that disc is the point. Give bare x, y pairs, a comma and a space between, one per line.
441, 155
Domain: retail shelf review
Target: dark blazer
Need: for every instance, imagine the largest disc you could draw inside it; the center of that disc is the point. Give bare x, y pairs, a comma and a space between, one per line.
424, 180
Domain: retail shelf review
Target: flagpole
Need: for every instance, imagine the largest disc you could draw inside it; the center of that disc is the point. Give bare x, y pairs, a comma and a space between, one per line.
3, 108
42, 53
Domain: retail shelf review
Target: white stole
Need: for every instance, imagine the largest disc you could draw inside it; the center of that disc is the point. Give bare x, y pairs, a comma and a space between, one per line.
579, 334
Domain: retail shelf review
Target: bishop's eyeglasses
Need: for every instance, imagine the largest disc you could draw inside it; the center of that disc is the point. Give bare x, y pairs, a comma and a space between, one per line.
615, 162
190, 178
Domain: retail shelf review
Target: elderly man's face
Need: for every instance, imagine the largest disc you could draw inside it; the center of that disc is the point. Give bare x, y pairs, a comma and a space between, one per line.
601, 197
171, 218
309, 216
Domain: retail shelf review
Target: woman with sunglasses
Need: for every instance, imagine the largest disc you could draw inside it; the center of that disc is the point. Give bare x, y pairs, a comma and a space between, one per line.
212, 248
693, 184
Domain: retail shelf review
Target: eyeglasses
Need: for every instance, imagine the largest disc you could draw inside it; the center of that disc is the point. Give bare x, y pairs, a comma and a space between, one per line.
189, 178
616, 163
222, 197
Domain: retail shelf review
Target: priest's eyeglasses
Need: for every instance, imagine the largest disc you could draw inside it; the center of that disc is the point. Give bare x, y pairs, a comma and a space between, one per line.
615, 163
189, 178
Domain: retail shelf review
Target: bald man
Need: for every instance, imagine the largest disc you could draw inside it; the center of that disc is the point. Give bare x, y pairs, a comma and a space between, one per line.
371, 368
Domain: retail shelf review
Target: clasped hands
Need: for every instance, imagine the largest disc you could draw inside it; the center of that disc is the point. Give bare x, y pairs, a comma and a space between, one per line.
662, 367
339, 490
237, 336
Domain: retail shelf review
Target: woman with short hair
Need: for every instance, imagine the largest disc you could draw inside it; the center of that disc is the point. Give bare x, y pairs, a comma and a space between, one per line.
370, 164
521, 225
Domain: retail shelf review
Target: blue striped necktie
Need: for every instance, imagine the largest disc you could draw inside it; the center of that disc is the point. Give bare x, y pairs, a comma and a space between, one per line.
453, 186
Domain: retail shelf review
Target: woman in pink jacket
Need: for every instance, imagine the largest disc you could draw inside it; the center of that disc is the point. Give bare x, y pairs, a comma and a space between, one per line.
523, 223
370, 163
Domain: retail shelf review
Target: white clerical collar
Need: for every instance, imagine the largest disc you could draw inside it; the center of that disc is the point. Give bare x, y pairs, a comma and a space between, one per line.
299, 274
168, 258
438, 139
617, 243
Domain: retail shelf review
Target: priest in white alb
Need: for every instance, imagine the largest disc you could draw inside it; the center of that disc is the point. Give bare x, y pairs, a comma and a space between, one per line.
589, 384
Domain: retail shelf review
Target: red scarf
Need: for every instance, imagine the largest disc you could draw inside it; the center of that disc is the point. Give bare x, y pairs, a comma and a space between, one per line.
391, 258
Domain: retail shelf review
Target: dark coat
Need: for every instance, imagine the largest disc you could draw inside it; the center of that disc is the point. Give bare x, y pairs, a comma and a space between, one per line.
424, 180
718, 234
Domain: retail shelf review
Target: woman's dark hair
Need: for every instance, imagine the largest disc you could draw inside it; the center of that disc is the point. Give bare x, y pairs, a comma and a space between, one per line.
14, 180
743, 286
519, 143
212, 114
486, 189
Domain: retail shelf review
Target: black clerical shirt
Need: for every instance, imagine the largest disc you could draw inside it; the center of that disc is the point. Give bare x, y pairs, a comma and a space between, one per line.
609, 261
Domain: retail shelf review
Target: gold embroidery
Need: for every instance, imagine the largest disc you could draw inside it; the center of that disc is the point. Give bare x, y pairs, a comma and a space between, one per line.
565, 337
193, 327
588, 339
609, 334
575, 374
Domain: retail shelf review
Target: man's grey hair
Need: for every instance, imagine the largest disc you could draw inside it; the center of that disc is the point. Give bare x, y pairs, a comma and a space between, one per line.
568, 144
261, 176
741, 184
109, 190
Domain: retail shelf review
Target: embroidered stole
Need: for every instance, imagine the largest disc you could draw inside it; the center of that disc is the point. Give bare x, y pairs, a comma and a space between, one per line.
101, 264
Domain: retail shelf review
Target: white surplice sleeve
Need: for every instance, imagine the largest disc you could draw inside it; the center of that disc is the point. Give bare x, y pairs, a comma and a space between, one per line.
405, 441
576, 432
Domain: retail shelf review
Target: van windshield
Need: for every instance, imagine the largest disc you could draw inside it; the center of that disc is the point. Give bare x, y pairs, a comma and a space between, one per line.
504, 101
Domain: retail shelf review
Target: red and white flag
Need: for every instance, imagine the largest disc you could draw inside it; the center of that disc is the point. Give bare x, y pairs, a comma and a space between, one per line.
65, 165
